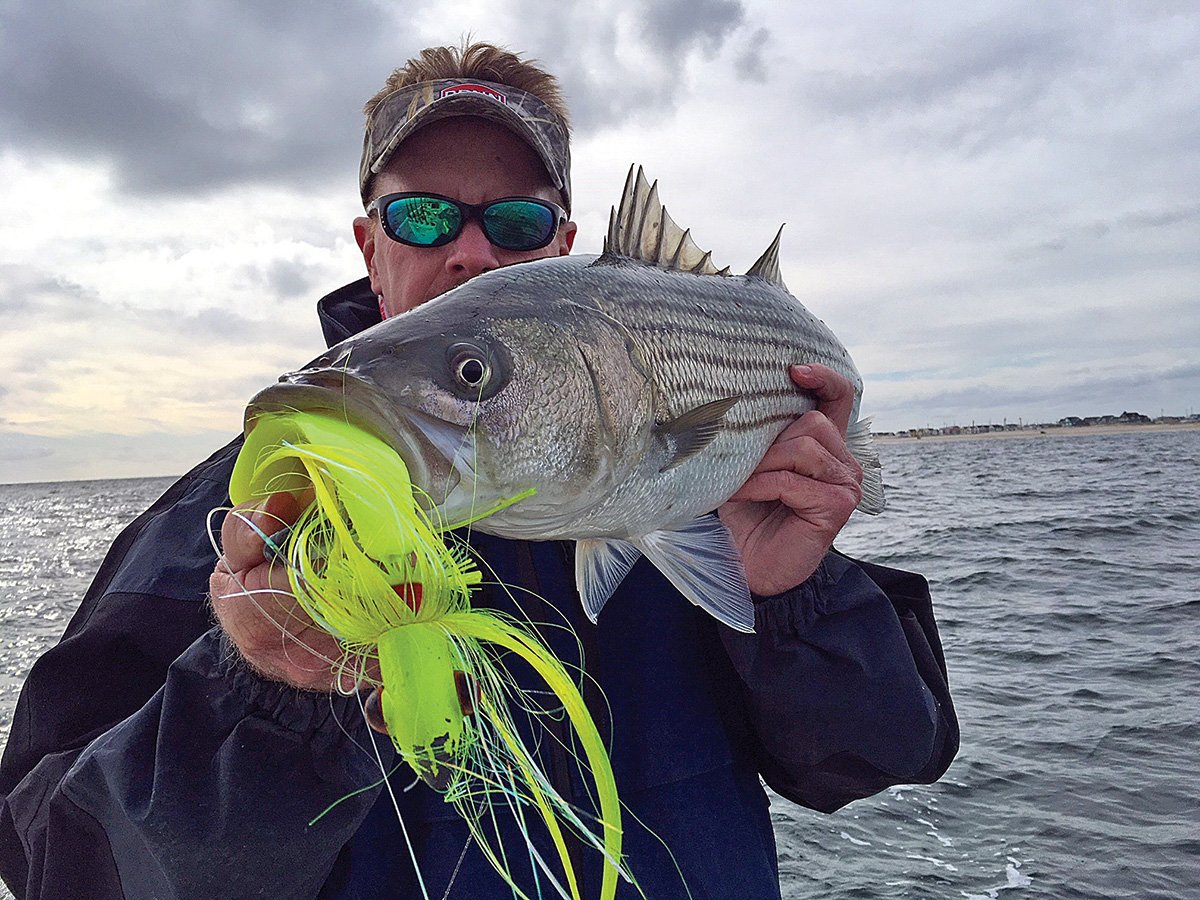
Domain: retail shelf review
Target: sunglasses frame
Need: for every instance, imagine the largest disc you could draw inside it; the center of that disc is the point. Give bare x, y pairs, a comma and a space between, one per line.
467, 212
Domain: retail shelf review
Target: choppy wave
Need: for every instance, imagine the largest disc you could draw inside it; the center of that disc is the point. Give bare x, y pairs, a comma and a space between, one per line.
52, 539
1065, 574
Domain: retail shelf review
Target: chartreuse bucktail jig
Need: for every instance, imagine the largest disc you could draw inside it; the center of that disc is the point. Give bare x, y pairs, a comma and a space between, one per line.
370, 567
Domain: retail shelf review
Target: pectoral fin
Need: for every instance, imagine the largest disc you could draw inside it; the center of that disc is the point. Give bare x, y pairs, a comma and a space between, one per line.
700, 559
600, 566
688, 434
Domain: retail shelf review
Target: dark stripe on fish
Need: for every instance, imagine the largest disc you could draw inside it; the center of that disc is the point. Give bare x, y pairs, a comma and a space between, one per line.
754, 424
705, 388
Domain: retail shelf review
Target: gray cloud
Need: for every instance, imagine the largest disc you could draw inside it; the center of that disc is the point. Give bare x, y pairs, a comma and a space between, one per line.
1163, 218
288, 278
971, 80
1118, 228
677, 26
29, 458
193, 94
1081, 393
612, 73
284, 278
38, 303
750, 63
28, 294
924, 72
20, 448
41, 299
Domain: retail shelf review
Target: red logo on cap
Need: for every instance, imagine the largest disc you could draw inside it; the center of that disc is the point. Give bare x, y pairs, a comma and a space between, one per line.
474, 89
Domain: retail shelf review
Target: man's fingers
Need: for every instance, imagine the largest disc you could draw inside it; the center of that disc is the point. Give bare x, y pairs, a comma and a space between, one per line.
809, 434
811, 472
809, 454
800, 492
244, 527
835, 394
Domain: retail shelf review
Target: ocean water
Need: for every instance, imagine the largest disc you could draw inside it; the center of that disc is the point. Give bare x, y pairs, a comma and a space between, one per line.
1065, 572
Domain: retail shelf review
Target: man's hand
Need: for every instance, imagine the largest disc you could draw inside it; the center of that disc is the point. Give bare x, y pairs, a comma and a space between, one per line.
254, 604
785, 517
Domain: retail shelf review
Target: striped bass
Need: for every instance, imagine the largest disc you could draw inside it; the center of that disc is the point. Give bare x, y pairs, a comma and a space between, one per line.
634, 392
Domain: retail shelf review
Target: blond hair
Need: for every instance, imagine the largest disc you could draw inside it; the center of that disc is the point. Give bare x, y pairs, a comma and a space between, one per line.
476, 60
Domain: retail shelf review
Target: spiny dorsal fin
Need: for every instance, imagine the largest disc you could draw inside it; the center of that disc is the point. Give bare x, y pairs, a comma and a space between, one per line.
768, 264
640, 228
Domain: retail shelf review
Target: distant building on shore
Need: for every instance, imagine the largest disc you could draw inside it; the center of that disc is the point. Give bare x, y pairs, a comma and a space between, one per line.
1125, 418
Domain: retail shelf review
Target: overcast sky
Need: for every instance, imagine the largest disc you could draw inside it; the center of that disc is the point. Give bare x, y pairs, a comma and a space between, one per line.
994, 205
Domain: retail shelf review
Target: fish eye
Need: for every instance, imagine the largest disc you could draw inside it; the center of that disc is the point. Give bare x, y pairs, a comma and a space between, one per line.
472, 372
469, 365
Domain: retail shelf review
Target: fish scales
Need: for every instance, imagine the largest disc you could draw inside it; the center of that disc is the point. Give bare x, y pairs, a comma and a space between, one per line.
729, 337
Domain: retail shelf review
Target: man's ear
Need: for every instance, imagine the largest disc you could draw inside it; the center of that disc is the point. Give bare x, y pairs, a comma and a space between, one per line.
566, 235
364, 235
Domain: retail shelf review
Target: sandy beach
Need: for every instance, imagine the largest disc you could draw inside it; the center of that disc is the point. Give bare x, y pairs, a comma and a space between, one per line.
1082, 431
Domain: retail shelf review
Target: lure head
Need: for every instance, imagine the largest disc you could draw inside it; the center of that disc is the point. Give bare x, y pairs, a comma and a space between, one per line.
421, 701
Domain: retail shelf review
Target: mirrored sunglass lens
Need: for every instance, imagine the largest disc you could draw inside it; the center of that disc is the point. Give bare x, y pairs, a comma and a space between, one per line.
519, 224
425, 221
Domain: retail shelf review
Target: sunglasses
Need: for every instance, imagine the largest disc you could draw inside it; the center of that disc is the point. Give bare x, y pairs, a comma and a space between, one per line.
431, 220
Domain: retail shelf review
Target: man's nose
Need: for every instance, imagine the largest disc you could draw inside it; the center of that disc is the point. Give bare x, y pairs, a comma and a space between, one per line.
471, 253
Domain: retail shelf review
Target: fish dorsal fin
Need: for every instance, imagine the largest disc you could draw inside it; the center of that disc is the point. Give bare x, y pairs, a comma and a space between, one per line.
640, 228
768, 264
686, 435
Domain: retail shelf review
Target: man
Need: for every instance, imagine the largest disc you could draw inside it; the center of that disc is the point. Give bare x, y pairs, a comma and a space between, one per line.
153, 755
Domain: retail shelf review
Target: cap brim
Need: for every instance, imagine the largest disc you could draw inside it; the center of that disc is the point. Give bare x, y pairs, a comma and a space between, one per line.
409, 109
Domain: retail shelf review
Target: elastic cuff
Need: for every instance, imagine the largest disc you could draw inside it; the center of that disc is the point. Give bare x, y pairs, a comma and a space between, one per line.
796, 609
312, 713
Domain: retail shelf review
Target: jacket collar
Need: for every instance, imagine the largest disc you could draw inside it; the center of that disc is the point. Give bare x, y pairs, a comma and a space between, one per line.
347, 311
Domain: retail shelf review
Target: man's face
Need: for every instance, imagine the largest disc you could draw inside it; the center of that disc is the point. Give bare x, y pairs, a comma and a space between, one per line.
469, 159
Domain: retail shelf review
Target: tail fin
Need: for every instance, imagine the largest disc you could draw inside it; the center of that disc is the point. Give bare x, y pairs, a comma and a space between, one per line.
860, 442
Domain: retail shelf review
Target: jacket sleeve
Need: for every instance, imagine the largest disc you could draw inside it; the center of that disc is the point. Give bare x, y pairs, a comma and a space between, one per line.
845, 685
135, 765
207, 791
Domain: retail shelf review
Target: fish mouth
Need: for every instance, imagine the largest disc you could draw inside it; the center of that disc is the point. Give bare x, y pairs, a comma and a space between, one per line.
341, 395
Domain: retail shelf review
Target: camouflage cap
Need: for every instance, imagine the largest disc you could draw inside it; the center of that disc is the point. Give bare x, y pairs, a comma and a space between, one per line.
410, 108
